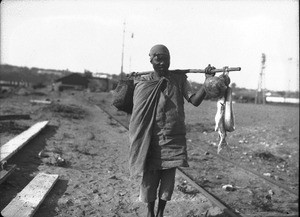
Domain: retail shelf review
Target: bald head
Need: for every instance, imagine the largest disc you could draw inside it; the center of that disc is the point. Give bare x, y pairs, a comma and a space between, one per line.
159, 49
160, 58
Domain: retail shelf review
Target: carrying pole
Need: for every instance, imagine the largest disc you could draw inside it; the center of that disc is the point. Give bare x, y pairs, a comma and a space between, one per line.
224, 69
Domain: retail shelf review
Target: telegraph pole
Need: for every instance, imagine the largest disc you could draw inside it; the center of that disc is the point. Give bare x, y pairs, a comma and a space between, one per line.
287, 93
122, 71
130, 57
260, 92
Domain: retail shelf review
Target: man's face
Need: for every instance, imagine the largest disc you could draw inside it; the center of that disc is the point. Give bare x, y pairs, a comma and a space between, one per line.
161, 63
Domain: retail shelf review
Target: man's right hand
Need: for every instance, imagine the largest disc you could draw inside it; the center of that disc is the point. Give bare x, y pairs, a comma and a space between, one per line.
208, 72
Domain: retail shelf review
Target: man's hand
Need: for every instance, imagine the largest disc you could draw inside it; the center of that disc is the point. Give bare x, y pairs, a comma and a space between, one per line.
208, 72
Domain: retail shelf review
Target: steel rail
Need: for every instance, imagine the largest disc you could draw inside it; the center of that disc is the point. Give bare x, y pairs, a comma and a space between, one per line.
122, 124
208, 195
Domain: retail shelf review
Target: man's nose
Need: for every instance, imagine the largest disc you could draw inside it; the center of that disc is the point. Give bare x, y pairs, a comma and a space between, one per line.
162, 62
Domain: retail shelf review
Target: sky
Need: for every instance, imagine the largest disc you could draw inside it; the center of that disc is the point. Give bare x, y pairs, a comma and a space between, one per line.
83, 35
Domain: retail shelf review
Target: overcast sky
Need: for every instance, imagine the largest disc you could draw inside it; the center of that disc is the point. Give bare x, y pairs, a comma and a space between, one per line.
82, 34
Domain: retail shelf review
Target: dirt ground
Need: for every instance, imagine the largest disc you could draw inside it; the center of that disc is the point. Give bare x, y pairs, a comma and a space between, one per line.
93, 178
93, 175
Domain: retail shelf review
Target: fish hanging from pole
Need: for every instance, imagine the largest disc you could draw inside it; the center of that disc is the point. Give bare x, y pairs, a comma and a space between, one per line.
217, 87
224, 118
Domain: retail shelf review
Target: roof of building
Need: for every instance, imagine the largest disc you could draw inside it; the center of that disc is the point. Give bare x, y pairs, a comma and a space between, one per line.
74, 79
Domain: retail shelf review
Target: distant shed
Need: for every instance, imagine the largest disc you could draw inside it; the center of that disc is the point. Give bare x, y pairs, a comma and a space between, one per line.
74, 81
97, 84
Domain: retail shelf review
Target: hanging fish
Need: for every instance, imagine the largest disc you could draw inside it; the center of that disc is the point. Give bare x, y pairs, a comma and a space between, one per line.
218, 87
224, 118
220, 125
229, 117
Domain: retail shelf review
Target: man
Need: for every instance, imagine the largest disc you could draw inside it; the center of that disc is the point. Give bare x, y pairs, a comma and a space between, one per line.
157, 128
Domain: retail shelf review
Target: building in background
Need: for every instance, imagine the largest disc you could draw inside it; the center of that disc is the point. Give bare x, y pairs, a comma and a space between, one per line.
79, 81
74, 81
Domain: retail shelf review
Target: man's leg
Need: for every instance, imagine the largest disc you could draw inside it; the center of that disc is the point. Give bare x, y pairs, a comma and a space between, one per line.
161, 208
151, 209
167, 182
148, 190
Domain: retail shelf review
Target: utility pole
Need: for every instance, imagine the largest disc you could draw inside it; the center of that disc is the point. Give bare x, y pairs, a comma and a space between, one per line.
260, 92
122, 71
287, 93
130, 57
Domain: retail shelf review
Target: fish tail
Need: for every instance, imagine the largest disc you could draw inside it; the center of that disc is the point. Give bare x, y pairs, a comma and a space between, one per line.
222, 144
216, 127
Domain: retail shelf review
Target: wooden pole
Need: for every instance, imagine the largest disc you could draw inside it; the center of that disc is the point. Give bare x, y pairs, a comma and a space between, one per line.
191, 71
123, 42
260, 92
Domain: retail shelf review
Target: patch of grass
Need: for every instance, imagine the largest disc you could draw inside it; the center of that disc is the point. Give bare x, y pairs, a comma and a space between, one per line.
193, 213
260, 202
84, 148
268, 157
68, 111
200, 127
103, 101
112, 122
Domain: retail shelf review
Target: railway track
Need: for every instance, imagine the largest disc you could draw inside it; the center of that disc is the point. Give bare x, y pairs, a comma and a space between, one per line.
212, 197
